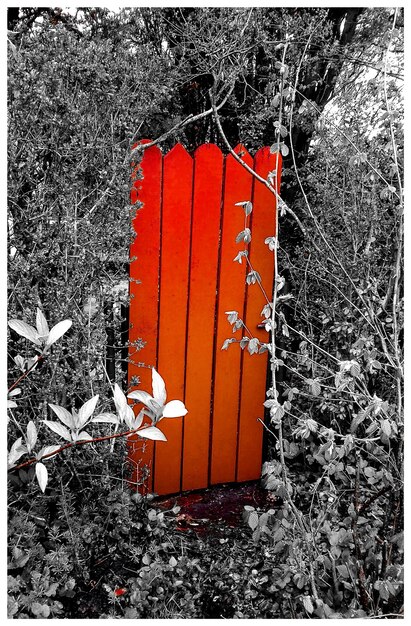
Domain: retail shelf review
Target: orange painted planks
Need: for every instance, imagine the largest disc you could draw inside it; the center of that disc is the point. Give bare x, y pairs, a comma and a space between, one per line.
144, 296
175, 250
208, 173
231, 289
254, 367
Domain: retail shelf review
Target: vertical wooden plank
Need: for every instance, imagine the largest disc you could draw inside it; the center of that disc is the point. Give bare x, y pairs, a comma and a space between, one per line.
144, 277
255, 366
231, 289
208, 173
175, 250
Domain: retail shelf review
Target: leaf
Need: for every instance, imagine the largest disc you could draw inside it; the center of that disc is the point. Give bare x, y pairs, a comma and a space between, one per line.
227, 343
253, 345
253, 277
175, 408
141, 396
159, 388
58, 331
172, 561
266, 311
271, 242
355, 369
47, 450
31, 436
87, 410
121, 403
151, 432
253, 520
105, 418
42, 476
308, 605
386, 427
42, 326
248, 208
315, 387
312, 425
25, 330
14, 392
135, 422
240, 255
63, 415
360, 417
299, 580
32, 363
280, 280
232, 316
284, 149
19, 361
84, 436
16, 451
244, 235
59, 429
237, 325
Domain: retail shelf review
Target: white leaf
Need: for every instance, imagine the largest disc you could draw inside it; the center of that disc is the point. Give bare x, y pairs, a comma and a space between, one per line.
42, 326
308, 605
151, 432
47, 450
141, 396
32, 363
355, 369
386, 427
129, 415
42, 476
16, 451
138, 420
57, 331
11, 404
59, 429
14, 392
63, 415
175, 408
106, 418
159, 388
253, 345
19, 361
315, 387
17, 444
83, 436
120, 401
31, 436
284, 149
87, 410
25, 330
253, 520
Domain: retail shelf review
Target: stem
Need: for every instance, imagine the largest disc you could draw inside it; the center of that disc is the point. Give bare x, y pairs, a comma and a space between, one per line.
26, 373
188, 120
72, 445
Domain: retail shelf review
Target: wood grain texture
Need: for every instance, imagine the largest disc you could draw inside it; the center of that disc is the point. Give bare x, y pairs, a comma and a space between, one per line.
144, 278
208, 175
175, 256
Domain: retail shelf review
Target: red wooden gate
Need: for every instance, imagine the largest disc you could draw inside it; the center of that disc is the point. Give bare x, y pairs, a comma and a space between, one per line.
183, 280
